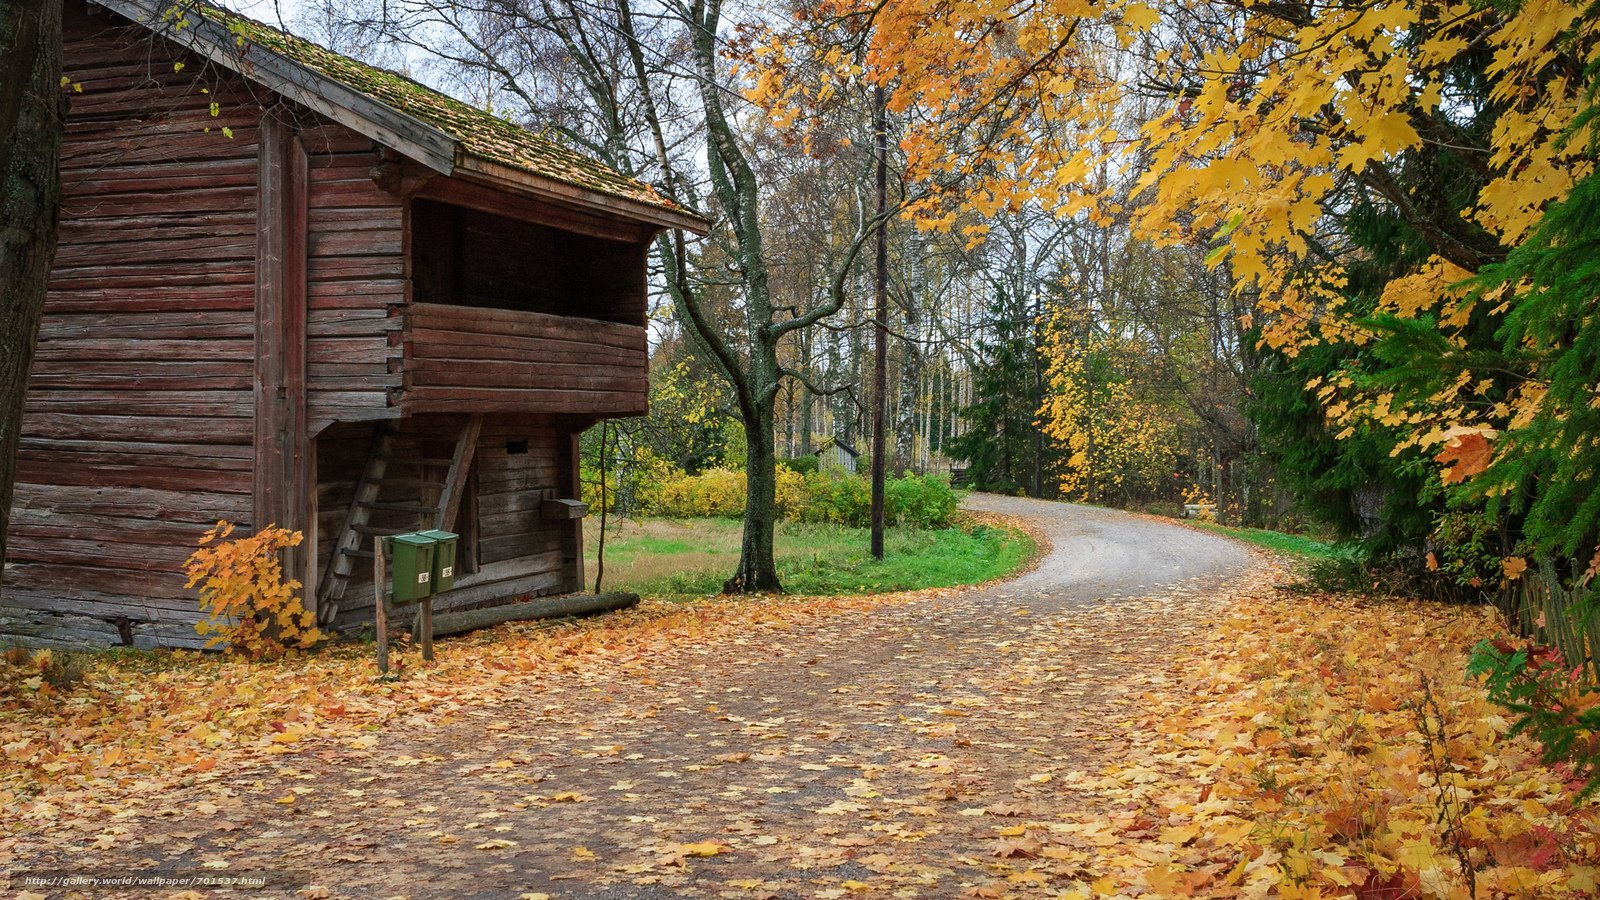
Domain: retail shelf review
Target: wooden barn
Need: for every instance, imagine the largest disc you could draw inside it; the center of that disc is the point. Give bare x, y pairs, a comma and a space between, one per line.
295, 289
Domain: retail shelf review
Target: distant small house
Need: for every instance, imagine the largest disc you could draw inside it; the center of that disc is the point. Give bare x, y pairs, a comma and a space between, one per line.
836, 453
295, 289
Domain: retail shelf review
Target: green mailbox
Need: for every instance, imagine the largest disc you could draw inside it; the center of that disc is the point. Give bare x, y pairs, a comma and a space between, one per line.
411, 567
444, 558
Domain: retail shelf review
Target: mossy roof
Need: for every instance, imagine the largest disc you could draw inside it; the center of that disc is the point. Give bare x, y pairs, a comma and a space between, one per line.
478, 133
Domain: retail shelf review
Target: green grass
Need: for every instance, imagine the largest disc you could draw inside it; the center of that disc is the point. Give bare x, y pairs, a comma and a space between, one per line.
1279, 542
686, 558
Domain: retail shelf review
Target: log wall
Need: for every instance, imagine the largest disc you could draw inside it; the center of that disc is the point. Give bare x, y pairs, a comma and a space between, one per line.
142, 422
139, 425
356, 281
522, 362
137, 429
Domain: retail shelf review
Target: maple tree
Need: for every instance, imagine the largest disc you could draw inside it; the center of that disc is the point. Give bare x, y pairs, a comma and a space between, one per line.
1403, 191
1264, 130
1116, 442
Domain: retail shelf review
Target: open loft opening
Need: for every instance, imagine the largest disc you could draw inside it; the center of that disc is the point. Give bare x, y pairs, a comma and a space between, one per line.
467, 257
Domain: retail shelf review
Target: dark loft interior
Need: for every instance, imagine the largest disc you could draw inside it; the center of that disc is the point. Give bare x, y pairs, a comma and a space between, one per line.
466, 257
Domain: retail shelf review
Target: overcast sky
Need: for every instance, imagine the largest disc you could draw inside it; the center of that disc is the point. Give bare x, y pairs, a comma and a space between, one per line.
265, 10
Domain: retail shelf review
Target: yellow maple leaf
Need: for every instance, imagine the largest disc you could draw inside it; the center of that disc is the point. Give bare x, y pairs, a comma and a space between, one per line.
702, 849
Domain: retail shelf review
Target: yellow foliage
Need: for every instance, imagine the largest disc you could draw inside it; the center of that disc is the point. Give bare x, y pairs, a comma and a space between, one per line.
1273, 114
714, 492
1302, 743
250, 608
792, 494
1112, 437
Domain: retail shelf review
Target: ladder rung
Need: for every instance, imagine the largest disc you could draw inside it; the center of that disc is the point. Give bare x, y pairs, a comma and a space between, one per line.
375, 530
412, 482
419, 461
403, 507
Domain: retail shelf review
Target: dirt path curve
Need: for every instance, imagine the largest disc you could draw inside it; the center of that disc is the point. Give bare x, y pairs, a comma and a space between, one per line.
876, 753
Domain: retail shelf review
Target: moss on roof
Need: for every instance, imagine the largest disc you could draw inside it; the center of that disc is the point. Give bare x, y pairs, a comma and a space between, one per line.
479, 133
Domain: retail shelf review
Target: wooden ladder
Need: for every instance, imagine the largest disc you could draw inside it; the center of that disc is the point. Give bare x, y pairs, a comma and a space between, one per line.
353, 544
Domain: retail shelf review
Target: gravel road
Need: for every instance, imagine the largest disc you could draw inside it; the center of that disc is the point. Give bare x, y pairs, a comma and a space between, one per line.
1101, 553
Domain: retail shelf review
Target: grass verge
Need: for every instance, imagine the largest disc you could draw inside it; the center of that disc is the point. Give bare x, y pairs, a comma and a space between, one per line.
686, 558
1278, 542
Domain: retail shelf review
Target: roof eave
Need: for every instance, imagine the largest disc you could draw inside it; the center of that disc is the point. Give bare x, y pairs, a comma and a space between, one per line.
510, 178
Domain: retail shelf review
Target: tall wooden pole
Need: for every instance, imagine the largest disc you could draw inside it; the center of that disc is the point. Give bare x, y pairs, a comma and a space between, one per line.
880, 339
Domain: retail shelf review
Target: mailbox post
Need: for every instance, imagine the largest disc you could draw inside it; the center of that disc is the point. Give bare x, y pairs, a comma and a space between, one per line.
444, 578
411, 568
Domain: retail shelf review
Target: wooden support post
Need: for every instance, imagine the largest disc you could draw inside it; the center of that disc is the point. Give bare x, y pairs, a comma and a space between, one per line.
427, 629
460, 466
283, 470
572, 554
379, 577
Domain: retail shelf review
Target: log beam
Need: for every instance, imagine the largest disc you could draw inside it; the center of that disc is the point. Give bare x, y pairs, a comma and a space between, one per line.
544, 608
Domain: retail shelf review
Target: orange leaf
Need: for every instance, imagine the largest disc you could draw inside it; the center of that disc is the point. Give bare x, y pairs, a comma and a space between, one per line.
1514, 566
1469, 451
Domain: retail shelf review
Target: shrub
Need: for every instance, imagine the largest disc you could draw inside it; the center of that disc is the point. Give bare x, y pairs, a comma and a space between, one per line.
714, 492
1550, 699
250, 608
794, 500
920, 501
803, 465
831, 496
839, 498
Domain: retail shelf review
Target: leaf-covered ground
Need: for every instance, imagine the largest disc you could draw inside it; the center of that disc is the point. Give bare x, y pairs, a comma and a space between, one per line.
1064, 734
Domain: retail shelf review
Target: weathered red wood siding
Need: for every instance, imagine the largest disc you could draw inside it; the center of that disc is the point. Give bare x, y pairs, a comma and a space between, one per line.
522, 362
139, 425
137, 429
143, 420
356, 281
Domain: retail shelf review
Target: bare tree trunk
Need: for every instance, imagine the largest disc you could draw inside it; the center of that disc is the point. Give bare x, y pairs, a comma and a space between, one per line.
880, 331
32, 116
807, 401
1036, 347
735, 184
905, 429
757, 571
